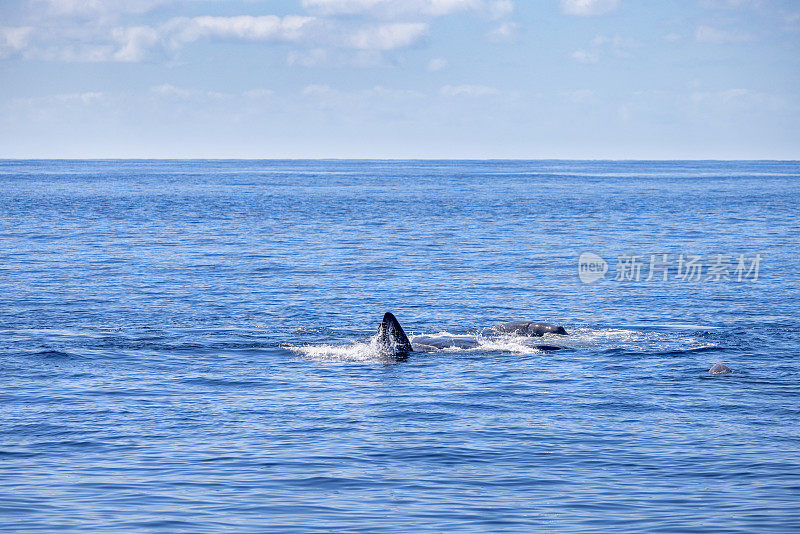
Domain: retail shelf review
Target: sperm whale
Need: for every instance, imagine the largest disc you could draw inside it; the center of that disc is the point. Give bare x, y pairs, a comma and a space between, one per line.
529, 328
393, 340
719, 369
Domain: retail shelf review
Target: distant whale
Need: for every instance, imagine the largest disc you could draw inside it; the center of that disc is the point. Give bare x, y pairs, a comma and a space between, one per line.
393, 340
529, 328
719, 369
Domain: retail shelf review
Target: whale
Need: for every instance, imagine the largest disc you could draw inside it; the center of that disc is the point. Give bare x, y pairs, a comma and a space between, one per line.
529, 328
719, 369
393, 340
427, 343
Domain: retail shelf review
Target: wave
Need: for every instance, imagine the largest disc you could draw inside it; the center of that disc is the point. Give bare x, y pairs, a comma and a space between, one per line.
55, 355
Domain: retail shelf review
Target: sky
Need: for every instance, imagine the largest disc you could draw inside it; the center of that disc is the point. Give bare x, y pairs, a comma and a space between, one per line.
529, 79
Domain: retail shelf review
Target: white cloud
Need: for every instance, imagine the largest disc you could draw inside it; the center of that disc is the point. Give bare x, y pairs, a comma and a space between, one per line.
387, 36
96, 8
336, 57
672, 37
14, 40
468, 90
335, 7
584, 56
624, 113
602, 45
708, 34
738, 98
323, 93
445, 7
86, 98
308, 58
178, 93
89, 43
134, 42
317, 90
578, 96
390, 8
258, 93
382, 92
587, 8
79, 52
244, 27
504, 32
616, 44
732, 4
170, 90
501, 8
436, 64
336, 33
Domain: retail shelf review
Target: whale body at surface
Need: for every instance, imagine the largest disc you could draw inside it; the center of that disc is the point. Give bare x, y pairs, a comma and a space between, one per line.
719, 369
393, 340
529, 328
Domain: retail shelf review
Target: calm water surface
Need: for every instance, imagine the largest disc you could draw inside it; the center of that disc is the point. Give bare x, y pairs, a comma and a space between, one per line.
183, 347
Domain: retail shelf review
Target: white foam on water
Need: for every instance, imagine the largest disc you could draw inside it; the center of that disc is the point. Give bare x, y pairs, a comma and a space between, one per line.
510, 344
634, 340
355, 352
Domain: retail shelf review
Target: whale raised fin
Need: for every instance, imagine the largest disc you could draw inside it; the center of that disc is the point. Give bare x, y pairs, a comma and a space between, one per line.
392, 337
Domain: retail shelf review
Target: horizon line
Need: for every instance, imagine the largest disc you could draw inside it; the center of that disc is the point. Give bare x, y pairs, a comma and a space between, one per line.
414, 158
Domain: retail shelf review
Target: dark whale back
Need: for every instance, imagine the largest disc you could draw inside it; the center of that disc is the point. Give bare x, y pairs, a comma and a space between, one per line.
391, 335
529, 328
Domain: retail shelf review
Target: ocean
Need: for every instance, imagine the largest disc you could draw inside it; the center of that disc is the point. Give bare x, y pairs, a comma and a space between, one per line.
185, 346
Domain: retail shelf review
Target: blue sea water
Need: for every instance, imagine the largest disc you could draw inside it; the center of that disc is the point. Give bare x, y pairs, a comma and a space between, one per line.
184, 347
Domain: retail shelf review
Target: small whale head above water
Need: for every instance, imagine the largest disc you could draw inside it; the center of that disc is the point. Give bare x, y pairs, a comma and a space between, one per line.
392, 338
719, 369
529, 328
